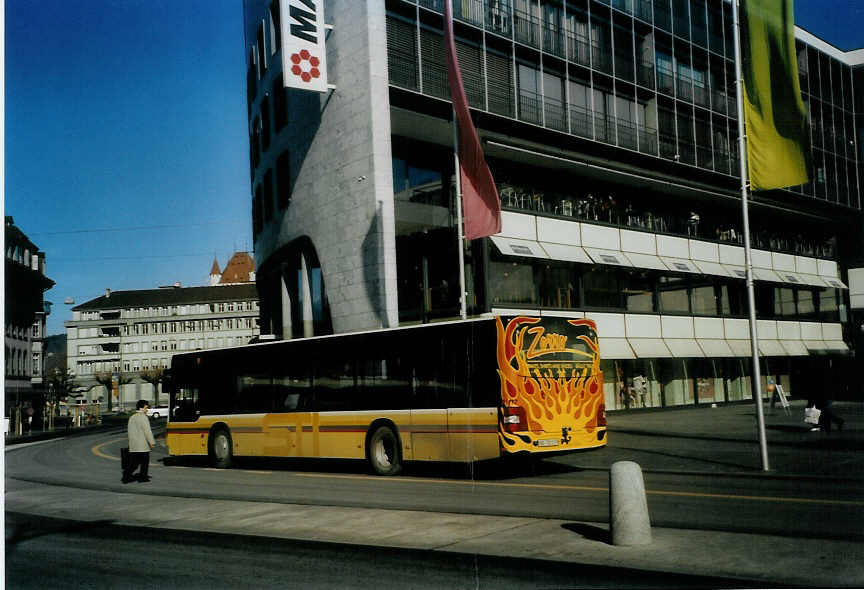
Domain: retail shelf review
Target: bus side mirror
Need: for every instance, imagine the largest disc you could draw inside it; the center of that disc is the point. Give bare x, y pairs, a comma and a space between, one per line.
167, 384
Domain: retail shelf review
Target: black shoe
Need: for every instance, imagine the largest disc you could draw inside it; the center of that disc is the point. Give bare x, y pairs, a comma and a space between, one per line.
144, 479
127, 480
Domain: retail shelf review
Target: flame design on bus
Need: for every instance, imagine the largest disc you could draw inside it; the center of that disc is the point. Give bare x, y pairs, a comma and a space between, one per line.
559, 387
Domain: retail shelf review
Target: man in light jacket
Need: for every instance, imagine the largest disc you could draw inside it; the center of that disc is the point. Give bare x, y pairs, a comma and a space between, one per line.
140, 442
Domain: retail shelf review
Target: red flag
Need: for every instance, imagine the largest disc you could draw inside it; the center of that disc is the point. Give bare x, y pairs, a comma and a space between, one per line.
480, 203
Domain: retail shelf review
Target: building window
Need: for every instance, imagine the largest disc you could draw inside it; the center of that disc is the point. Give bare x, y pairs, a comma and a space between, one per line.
673, 294
600, 284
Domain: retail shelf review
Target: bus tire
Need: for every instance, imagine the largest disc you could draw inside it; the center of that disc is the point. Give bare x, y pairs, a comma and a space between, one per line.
221, 449
384, 451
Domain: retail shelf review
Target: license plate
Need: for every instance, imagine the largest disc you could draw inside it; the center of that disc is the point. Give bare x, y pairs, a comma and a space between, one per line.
548, 442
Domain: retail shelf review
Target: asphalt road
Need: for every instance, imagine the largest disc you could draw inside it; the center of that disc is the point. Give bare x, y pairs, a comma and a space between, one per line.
47, 553
554, 488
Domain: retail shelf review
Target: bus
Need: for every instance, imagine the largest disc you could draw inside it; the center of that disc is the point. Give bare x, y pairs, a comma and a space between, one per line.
458, 391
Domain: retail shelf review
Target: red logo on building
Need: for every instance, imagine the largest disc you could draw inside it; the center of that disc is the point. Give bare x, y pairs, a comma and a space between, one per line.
303, 60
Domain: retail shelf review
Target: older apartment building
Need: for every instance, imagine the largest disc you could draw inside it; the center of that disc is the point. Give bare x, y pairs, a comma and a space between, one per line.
25, 313
121, 342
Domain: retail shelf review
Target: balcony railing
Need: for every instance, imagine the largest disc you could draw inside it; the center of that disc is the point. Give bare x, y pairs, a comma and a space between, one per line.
619, 208
578, 49
527, 28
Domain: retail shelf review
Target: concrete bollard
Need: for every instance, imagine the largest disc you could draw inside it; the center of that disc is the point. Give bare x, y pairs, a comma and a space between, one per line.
628, 507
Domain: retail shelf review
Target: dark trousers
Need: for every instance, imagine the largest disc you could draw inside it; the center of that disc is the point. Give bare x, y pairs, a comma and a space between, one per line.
827, 417
136, 460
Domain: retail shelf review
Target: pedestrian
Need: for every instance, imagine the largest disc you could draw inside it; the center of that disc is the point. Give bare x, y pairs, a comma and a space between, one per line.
824, 404
140, 442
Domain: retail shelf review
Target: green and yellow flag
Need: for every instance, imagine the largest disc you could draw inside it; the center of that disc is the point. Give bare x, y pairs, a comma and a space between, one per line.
777, 154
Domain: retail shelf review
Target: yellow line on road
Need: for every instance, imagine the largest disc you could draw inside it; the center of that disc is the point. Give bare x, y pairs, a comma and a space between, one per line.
97, 450
589, 489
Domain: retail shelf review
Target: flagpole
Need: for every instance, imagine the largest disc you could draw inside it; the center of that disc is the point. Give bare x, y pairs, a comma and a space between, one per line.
463, 311
748, 258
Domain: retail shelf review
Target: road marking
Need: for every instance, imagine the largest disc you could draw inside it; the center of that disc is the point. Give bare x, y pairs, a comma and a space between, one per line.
97, 450
590, 489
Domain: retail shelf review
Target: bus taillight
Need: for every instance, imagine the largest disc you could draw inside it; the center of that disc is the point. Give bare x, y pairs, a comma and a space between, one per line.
601, 415
514, 419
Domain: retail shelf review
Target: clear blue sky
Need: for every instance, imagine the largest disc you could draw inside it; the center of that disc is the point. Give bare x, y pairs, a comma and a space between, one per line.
126, 145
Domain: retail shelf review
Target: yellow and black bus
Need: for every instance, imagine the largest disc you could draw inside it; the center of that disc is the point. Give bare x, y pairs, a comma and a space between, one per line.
451, 391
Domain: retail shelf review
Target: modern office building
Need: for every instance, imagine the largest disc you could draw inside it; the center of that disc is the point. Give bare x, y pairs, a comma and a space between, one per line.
611, 130
26, 310
124, 340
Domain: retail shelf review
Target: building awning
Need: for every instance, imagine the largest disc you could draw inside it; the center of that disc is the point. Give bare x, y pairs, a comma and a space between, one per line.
836, 345
766, 274
713, 268
815, 346
739, 347
613, 257
684, 347
736, 271
641, 260
814, 280
834, 282
566, 252
518, 247
771, 347
680, 264
790, 277
615, 348
713, 347
649, 348
794, 347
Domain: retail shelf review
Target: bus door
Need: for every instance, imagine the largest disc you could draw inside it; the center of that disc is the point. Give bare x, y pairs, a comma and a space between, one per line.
281, 426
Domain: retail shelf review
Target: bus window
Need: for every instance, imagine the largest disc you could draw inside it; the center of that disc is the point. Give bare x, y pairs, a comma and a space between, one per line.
184, 407
292, 392
334, 385
383, 384
254, 394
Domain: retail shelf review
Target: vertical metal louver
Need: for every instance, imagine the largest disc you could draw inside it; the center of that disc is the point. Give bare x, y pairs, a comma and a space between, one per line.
433, 64
500, 84
402, 54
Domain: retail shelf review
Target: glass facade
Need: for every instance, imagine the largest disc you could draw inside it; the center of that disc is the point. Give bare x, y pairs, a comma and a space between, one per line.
655, 77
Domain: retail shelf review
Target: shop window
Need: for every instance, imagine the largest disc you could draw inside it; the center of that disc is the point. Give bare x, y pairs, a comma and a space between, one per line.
708, 380
737, 377
678, 387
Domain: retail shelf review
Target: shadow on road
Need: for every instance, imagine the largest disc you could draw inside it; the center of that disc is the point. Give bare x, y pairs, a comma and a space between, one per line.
492, 470
19, 533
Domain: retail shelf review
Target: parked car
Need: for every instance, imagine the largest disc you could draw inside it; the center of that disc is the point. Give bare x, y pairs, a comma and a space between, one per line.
160, 412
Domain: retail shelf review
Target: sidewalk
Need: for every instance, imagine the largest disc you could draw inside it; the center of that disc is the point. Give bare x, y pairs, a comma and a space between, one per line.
700, 440
753, 559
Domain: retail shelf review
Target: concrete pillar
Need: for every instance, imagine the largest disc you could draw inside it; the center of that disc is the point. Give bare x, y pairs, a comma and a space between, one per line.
628, 507
285, 302
306, 299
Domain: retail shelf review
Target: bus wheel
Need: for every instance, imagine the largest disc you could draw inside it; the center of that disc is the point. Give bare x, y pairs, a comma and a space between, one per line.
221, 450
384, 451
